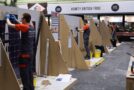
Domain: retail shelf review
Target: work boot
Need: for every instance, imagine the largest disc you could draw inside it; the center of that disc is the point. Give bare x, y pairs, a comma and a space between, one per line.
87, 57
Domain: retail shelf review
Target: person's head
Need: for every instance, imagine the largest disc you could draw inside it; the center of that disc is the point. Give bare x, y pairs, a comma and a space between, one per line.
76, 28
26, 18
85, 21
96, 24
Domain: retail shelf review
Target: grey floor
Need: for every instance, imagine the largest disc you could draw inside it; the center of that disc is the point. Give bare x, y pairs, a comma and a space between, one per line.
110, 75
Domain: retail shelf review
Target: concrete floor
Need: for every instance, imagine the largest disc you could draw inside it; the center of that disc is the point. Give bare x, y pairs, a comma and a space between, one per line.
110, 75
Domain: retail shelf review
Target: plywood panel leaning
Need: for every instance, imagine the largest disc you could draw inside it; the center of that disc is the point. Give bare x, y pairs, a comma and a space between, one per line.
56, 65
95, 37
78, 56
8, 79
81, 45
106, 36
64, 35
76, 59
104, 31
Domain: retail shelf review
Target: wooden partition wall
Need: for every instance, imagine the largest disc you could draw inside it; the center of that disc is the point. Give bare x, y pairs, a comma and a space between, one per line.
106, 36
95, 36
104, 31
8, 79
64, 36
73, 55
81, 42
56, 64
78, 56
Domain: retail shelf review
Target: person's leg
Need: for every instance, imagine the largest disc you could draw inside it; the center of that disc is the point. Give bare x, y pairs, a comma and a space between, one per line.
114, 43
87, 48
25, 74
86, 39
31, 80
31, 75
24, 78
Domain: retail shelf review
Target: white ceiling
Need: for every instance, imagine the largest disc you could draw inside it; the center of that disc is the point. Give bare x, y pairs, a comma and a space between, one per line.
64, 1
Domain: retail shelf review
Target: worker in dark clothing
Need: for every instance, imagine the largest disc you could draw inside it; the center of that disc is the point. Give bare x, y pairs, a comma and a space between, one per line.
26, 49
113, 35
86, 34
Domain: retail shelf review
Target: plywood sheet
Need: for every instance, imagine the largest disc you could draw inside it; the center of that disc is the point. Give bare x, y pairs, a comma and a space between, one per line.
106, 36
76, 59
81, 23
71, 60
81, 45
64, 35
78, 56
56, 65
8, 80
95, 36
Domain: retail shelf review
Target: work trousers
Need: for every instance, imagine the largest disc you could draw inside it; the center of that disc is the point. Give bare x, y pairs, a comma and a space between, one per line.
113, 42
86, 41
25, 65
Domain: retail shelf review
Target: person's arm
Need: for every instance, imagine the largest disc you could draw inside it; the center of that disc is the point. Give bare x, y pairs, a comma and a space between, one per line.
9, 23
22, 27
15, 19
18, 21
80, 30
18, 27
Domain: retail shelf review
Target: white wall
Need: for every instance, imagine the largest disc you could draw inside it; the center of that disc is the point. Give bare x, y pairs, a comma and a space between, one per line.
72, 21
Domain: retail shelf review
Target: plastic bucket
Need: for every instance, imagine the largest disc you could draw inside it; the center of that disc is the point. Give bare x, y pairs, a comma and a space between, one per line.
97, 53
34, 82
91, 54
